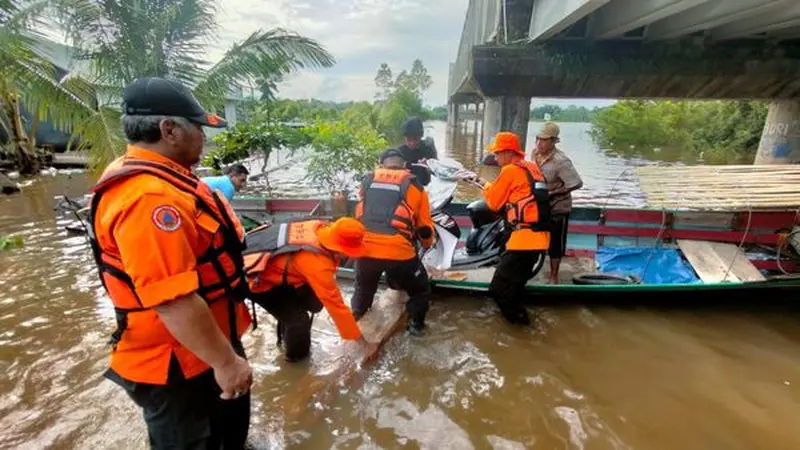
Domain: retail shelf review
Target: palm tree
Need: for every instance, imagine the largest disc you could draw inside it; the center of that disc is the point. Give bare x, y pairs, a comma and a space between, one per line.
29, 79
127, 39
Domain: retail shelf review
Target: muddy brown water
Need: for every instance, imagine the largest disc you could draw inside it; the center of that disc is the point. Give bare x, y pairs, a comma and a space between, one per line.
584, 377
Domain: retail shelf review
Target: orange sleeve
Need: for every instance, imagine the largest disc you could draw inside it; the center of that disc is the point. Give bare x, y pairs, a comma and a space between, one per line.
320, 273
496, 194
423, 216
153, 239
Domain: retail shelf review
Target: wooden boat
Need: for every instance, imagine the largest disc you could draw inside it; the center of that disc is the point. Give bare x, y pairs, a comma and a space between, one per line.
727, 251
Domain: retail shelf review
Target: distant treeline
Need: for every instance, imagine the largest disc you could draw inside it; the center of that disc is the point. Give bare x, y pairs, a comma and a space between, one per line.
717, 132
571, 113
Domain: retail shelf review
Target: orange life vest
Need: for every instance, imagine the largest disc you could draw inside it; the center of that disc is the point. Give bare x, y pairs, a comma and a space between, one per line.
220, 268
532, 211
384, 209
268, 241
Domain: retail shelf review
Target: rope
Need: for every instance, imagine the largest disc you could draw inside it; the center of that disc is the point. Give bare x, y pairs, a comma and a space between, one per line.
741, 243
614, 186
658, 240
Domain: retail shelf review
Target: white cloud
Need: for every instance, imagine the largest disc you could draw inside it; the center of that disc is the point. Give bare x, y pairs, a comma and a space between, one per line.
361, 34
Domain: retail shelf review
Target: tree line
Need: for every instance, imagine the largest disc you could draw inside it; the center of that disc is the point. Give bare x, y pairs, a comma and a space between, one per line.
717, 132
343, 139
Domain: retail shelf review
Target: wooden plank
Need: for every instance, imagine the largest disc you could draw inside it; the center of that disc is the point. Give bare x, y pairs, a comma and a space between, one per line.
706, 262
343, 365
570, 266
737, 260
715, 219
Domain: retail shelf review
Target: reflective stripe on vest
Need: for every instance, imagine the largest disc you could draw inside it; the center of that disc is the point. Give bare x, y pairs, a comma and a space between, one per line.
225, 249
533, 211
383, 209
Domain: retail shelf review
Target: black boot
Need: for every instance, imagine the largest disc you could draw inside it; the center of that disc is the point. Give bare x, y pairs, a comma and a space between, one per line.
516, 316
415, 326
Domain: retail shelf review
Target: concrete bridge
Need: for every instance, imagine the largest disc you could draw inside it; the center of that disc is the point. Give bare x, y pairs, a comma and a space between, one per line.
513, 50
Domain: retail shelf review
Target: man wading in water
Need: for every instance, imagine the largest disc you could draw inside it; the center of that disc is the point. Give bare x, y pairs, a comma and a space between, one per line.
562, 179
520, 192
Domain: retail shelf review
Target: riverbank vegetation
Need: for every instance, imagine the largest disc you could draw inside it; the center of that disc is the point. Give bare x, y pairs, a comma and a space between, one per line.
714, 132
571, 113
114, 43
342, 139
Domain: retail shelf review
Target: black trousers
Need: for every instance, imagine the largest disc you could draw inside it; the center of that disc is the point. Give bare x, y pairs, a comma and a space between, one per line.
294, 308
508, 283
188, 414
559, 226
409, 276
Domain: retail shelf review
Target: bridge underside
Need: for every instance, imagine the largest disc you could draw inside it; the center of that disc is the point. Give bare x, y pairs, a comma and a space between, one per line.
619, 69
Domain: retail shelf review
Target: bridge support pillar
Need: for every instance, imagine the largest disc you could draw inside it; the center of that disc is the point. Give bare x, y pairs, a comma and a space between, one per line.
780, 141
509, 113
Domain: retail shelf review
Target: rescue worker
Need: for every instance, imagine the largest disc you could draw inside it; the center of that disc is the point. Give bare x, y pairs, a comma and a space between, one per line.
520, 193
562, 179
291, 269
395, 210
169, 253
416, 150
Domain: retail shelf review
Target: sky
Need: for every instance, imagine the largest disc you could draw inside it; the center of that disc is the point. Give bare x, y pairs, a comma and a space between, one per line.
361, 34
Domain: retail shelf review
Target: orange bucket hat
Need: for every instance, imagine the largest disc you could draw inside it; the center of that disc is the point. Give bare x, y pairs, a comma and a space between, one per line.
345, 236
506, 141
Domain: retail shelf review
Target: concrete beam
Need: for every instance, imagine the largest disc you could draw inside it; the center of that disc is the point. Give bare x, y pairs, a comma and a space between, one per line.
709, 15
510, 113
784, 16
622, 16
550, 17
635, 69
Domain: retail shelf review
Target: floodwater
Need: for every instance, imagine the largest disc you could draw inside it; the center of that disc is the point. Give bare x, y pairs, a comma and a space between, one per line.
584, 377
609, 176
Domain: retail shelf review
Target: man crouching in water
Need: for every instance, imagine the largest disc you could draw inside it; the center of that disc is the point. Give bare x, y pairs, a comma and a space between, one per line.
291, 271
520, 190
396, 212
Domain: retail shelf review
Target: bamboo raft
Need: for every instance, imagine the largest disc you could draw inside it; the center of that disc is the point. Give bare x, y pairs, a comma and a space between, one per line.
773, 187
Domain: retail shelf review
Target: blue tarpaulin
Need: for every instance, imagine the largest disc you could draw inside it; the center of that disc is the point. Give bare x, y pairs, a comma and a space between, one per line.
666, 267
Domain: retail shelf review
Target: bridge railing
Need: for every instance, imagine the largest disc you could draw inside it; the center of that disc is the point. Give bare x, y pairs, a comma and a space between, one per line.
480, 26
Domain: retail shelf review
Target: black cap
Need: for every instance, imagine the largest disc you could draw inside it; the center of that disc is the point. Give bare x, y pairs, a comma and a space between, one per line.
413, 128
153, 96
391, 153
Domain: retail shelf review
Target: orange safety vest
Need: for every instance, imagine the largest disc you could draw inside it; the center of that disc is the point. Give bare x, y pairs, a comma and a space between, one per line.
220, 269
384, 209
532, 211
268, 241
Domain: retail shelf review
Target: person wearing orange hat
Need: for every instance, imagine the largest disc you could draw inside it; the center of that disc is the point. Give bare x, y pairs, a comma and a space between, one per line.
291, 272
395, 210
521, 192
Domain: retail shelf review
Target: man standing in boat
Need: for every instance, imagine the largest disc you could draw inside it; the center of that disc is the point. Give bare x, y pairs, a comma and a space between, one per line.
416, 150
562, 179
233, 181
396, 212
519, 191
169, 253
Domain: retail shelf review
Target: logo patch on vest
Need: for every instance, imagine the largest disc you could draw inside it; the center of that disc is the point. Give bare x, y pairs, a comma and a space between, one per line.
167, 218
